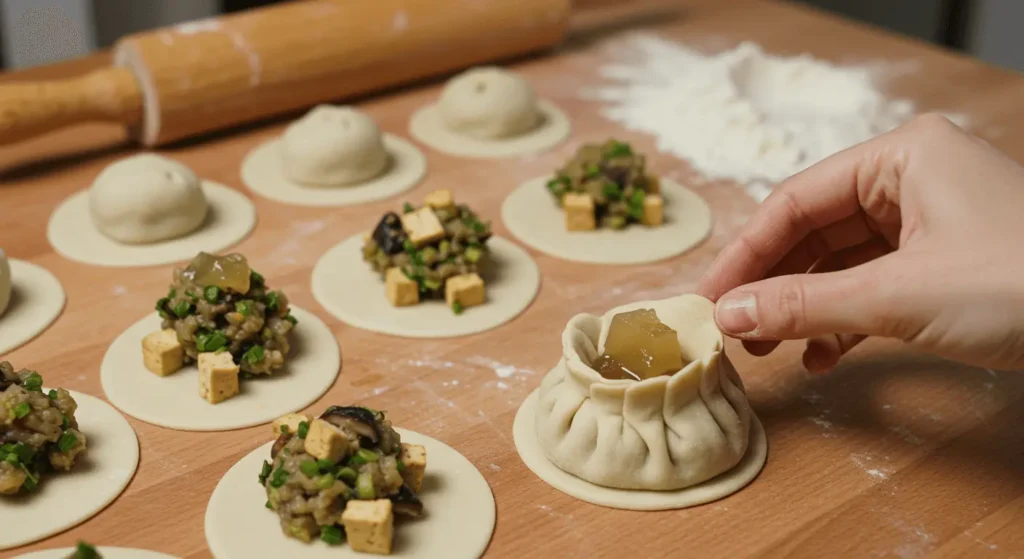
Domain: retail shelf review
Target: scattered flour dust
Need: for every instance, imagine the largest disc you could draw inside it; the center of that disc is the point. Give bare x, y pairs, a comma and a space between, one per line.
743, 114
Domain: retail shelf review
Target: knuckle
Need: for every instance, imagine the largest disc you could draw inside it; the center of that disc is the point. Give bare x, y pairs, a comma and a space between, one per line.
788, 313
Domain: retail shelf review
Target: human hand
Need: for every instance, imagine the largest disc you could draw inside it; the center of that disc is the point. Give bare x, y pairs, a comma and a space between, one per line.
915, 235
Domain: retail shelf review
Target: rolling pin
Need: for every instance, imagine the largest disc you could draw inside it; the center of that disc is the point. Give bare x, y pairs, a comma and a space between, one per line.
182, 81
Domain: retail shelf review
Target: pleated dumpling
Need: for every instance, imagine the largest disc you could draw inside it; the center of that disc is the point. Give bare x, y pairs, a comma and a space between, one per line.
663, 433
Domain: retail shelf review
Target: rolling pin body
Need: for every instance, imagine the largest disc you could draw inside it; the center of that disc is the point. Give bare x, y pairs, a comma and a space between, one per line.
206, 75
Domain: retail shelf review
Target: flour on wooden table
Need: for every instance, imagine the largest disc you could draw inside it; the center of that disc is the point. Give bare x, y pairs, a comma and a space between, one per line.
743, 114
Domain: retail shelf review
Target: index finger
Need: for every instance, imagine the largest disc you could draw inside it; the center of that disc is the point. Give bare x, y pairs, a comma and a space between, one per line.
821, 195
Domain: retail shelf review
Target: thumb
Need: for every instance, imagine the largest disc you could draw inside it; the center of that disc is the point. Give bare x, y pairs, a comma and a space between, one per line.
853, 301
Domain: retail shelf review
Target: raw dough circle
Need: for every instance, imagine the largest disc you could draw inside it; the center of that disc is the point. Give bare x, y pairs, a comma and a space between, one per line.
67, 499
145, 199
73, 234
262, 172
488, 103
458, 523
525, 435
534, 218
37, 299
106, 552
173, 401
428, 127
333, 146
352, 292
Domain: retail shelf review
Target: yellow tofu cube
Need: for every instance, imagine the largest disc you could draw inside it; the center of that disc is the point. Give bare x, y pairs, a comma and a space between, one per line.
653, 184
440, 199
218, 377
369, 525
290, 421
401, 291
654, 210
325, 441
579, 212
414, 462
422, 226
465, 289
162, 352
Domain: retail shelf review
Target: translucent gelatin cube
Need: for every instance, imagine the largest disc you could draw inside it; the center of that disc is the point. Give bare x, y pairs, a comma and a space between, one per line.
226, 272
639, 346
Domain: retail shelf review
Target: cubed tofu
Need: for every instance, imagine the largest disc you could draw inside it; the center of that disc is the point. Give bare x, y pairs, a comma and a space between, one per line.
401, 291
579, 212
414, 462
369, 525
291, 421
162, 352
465, 289
440, 199
422, 226
218, 377
325, 441
653, 184
11, 479
654, 210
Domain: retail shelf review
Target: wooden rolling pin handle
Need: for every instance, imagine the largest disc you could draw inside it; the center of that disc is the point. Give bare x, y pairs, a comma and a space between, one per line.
31, 108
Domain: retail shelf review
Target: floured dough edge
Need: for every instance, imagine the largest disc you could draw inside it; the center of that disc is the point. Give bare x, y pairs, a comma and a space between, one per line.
525, 436
346, 286
533, 217
72, 233
173, 401
65, 500
263, 174
106, 552
37, 299
459, 506
427, 127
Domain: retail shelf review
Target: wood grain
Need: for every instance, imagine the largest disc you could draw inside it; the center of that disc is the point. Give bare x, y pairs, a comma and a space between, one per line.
893, 455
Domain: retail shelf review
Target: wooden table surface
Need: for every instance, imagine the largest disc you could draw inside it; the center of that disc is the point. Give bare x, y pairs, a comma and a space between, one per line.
895, 454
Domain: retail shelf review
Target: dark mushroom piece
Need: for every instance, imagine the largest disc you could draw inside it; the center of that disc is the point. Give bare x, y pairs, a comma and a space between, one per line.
360, 421
389, 235
279, 444
406, 503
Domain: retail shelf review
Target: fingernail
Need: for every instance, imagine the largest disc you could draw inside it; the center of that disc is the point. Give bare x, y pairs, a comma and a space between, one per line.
736, 313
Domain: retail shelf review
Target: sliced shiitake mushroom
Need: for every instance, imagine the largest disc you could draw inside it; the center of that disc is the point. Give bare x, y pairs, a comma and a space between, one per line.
360, 421
279, 444
406, 503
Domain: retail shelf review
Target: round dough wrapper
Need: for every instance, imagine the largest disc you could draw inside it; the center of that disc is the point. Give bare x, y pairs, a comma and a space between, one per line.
428, 127
530, 451
487, 103
333, 146
458, 523
354, 293
534, 218
146, 198
37, 299
229, 220
66, 499
6, 287
106, 552
173, 401
263, 173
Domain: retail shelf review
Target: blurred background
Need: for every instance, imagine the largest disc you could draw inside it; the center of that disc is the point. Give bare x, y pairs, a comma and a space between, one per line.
34, 32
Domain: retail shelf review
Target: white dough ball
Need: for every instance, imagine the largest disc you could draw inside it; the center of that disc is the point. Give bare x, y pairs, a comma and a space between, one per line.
146, 198
333, 146
489, 103
5, 282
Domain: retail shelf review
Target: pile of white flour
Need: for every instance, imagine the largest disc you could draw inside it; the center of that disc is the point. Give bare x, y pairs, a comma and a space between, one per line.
743, 114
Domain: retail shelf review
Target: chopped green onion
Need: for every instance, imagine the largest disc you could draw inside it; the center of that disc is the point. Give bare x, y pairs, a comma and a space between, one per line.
11, 459
408, 246
364, 487
637, 198
253, 355
85, 551
211, 294
21, 410
211, 341
284, 429
432, 284
172, 293
182, 308
191, 295
612, 191
291, 319
279, 477
303, 429
324, 465
31, 481
331, 534
243, 307
52, 394
265, 472
268, 505
273, 301
473, 254
160, 304
400, 466
593, 169
348, 475
324, 481
618, 149
33, 383
309, 468
64, 422
457, 307
67, 441
363, 456
407, 208
255, 278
